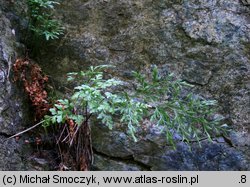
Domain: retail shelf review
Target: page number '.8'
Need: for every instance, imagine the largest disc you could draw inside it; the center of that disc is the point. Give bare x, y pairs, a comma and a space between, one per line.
243, 179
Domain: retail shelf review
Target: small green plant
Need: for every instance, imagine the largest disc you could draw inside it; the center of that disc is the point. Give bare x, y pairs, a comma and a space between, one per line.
157, 98
42, 22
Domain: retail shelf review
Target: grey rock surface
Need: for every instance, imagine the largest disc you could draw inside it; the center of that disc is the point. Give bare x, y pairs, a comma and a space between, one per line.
14, 107
204, 42
153, 153
11, 112
111, 164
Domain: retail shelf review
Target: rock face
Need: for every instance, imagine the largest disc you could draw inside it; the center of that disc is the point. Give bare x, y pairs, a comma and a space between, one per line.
205, 42
153, 153
11, 112
14, 107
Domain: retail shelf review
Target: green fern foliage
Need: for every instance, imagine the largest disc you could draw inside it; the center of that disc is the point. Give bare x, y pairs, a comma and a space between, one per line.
42, 22
158, 99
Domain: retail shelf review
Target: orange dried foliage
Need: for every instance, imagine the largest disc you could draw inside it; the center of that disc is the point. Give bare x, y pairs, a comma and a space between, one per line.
34, 85
72, 125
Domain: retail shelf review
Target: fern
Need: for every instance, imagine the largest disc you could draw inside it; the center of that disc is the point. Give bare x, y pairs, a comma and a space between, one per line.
157, 99
42, 22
